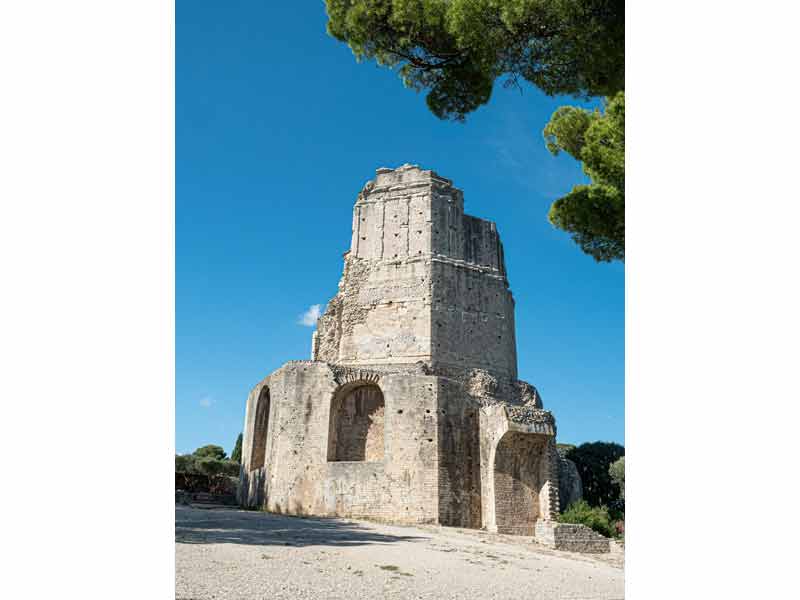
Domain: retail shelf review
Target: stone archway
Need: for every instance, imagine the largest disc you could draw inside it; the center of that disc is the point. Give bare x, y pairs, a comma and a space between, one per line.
518, 482
356, 432
260, 430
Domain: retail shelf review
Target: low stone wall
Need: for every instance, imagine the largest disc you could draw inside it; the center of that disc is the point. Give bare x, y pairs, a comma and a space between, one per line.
571, 537
185, 498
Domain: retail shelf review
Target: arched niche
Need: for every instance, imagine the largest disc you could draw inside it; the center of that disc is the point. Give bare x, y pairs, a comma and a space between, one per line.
356, 431
518, 482
260, 430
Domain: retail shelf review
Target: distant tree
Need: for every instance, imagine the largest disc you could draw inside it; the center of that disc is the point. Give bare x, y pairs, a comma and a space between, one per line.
236, 455
456, 49
190, 464
593, 461
212, 451
594, 214
617, 473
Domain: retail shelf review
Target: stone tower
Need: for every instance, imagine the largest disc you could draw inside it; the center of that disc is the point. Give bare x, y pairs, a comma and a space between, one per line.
410, 410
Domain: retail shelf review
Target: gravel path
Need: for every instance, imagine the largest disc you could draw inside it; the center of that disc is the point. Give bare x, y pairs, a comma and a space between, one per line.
233, 554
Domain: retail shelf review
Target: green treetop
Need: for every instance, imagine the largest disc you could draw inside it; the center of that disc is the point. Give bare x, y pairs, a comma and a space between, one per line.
236, 455
211, 451
594, 214
456, 49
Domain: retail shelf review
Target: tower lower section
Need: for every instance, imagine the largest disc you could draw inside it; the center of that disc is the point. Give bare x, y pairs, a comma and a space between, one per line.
401, 446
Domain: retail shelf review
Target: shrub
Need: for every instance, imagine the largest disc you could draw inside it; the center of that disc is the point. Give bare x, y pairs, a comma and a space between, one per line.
230, 468
595, 517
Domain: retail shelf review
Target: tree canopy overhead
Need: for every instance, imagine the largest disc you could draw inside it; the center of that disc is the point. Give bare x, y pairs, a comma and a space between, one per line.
456, 49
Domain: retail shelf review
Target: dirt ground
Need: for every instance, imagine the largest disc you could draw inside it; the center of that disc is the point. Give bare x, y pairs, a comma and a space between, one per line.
235, 554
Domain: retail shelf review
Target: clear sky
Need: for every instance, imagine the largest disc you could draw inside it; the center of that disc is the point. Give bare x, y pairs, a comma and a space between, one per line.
277, 130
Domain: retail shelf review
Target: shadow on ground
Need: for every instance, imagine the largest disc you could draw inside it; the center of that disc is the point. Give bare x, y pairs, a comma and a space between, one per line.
226, 526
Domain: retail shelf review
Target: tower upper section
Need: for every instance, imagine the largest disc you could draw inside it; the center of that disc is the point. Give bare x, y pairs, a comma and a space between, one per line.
409, 212
422, 282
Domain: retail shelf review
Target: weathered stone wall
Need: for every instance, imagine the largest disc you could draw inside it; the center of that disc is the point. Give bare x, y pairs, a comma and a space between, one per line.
534, 424
473, 320
423, 463
392, 215
401, 486
253, 473
381, 315
459, 456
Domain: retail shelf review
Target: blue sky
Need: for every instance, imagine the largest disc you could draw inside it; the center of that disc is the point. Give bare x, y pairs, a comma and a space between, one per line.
277, 129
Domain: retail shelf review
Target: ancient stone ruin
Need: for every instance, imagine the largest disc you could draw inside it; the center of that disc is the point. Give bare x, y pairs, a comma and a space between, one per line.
410, 410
